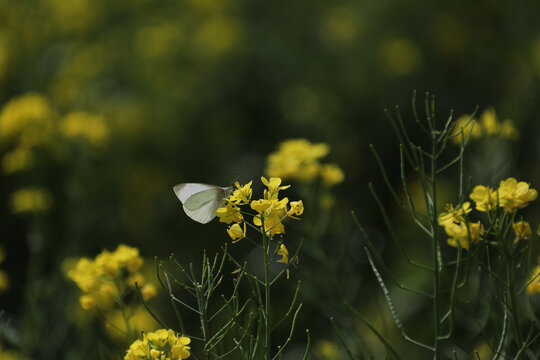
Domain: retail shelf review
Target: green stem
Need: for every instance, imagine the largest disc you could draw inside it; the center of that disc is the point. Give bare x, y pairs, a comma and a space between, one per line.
267, 318
436, 267
512, 295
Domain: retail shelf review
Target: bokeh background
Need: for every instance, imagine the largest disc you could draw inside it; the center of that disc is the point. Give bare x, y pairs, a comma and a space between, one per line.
106, 105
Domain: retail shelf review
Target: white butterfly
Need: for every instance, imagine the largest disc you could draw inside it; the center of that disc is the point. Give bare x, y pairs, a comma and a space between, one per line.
201, 200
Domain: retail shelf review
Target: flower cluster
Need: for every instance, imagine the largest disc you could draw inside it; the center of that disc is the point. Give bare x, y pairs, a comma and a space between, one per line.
270, 212
159, 345
511, 195
107, 277
298, 159
488, 125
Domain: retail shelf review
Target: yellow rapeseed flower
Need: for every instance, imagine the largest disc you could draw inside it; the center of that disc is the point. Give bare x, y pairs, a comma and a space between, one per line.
489, 123
17, 160
161, 344
30, 114
484, 197
297, 208
31, 200
454, 215
284, 253
515, 195
82, 125
274, 187
242, 194
296, 159
523, 230
236, 232
331, 174
229, 213
470, 128
462, 236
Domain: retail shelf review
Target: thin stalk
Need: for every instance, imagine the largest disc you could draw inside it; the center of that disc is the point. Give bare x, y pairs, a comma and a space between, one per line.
267, 318
435, 248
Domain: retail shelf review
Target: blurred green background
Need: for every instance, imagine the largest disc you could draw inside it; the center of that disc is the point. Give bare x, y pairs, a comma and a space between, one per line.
112, 103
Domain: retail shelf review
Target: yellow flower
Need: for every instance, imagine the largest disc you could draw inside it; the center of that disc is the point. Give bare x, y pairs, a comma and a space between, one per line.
534, 286
489, 123
331, 174
161, 344
159, 338
17, 160
30, 114
236, 232
460, 236
89, 127
180, 348
273, 212
454, 215
229, 213
273, 185
484, 197
466, 125
296, 159
508, 130
297, 208
523, 230
87, 302
31, 200
138, 350
515, 195
242, 194
4, 281
148, 291
85, 274
284, 253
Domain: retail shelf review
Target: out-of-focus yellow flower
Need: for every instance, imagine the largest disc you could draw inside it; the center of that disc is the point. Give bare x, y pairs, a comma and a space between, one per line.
148, 291
139, 321
515, 195
327, 350
470, 128
89, 127
4, 281
161, 344
484, 197
296, 159
87, 302
284, 253
339, 27
31, 200
236, 232
74, 16
454, 215
399, 56
534, 286
331, 174
17, 160
488, 125
159, 41
508, 130
482, 351
523, 230
229, 213
217, 37
11, 355
242, 194
109, 274
29, 117
460, 235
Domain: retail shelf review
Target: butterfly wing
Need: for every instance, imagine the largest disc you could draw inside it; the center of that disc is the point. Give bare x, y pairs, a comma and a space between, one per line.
201, 200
